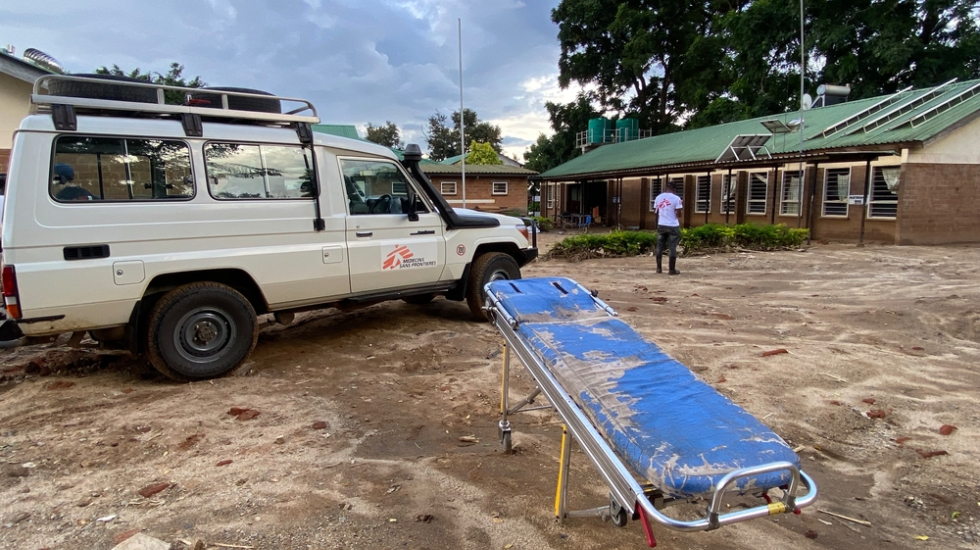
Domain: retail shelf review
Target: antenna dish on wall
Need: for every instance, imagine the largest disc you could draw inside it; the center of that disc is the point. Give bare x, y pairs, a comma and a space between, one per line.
807, 102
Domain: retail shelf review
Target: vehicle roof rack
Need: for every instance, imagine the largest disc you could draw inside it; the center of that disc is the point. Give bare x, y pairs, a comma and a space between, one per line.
294, 110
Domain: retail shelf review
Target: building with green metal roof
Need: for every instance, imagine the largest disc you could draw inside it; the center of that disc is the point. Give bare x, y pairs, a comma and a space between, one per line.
901, 168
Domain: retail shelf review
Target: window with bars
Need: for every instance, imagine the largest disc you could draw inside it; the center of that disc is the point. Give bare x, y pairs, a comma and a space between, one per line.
551, 196
500, 188
789, 197
758, 193
702, 188
882, 203
448, 188
656, 187
729, 191
836, 188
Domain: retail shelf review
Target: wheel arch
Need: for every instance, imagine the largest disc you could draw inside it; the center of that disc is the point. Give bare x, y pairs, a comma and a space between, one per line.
509, 248
458, 292
237, 279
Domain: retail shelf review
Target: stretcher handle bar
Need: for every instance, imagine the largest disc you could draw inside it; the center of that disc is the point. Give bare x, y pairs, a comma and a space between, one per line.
493, 307
706, 523
731, 477
595, 298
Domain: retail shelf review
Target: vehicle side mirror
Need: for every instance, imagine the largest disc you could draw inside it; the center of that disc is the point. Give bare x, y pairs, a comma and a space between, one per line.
413, 215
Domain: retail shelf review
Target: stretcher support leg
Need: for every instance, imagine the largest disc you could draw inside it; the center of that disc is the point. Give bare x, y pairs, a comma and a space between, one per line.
503, 427
563, 463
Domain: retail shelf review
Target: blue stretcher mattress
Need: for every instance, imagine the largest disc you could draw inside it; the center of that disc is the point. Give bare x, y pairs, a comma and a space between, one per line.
663, 422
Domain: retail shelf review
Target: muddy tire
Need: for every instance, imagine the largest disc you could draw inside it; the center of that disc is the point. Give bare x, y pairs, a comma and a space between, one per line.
200, 330
491, 266
419, 299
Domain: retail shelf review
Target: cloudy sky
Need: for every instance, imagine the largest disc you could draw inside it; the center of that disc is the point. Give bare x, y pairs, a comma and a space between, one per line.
358, 61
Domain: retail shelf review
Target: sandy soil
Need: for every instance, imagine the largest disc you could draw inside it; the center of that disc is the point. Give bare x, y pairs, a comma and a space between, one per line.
357, 439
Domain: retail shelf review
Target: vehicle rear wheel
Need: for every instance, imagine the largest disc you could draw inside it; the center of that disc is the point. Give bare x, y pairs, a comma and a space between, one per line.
201, 330
419, 299
492, 266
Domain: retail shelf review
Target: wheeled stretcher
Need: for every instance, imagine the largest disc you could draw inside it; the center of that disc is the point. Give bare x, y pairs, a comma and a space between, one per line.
657, 434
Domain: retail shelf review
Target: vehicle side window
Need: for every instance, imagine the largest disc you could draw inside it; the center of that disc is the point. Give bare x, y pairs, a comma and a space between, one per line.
377, 187
237, 171
120, 169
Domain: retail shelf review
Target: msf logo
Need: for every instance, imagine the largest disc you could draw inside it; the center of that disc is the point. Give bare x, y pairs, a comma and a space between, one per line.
396, 256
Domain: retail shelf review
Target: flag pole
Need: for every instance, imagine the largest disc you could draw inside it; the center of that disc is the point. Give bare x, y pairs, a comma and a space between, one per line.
462, 122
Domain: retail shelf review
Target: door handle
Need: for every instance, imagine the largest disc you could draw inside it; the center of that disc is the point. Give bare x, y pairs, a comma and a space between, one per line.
364, 233
425, 232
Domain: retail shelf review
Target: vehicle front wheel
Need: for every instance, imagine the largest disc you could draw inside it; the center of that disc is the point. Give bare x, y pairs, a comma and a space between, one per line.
492, 266
201, 330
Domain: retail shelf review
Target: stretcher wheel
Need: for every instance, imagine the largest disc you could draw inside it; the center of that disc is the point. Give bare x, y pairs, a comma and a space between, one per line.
618, 514
506, 441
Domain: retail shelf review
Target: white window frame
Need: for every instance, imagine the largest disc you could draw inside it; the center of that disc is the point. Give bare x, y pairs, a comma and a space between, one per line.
750, 202
699, 184
493, 187
442, 187
551, 196
656, 187
879, 189
840, 201
729, 194
788, 176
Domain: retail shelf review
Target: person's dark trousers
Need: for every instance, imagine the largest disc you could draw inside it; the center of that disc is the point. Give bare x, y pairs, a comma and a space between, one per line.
668, 236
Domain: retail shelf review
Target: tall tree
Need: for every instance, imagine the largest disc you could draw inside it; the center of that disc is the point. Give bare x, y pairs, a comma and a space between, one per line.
173, 77
566, 121
444, 141
387, 134
703, 62
640, 55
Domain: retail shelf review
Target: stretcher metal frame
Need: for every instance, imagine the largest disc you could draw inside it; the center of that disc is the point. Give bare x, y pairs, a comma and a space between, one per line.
627, 496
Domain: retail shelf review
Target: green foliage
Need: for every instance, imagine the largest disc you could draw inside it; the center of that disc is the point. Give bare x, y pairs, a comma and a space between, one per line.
566, 121
388, 135
173, 77
701, 239
594, 245
444, 141
699, 63
543, 223
482, 154
748, 236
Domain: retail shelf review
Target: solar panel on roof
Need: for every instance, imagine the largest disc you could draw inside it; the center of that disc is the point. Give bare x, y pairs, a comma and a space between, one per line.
745, 147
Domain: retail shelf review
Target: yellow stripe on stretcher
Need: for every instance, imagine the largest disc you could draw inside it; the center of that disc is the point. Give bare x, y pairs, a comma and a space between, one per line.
777, 507
561, 469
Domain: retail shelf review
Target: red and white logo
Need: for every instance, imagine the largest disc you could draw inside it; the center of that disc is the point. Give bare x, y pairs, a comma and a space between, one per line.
396, 256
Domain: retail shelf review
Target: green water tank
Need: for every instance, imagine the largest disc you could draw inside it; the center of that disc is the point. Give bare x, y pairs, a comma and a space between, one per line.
627, 129
597, 130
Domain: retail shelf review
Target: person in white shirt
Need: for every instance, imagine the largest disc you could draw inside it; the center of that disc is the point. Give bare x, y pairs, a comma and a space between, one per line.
668, 227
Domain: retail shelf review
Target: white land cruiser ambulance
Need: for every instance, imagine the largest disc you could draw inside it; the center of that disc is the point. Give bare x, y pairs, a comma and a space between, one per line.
168, 228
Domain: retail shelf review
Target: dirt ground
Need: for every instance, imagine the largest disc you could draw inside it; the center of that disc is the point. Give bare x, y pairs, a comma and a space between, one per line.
357, 440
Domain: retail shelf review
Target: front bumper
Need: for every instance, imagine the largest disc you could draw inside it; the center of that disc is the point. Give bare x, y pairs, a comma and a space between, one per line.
528, 255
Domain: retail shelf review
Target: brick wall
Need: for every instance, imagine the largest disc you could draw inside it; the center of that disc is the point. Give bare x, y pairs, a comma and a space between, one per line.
479, 192
938, 203
4, 159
